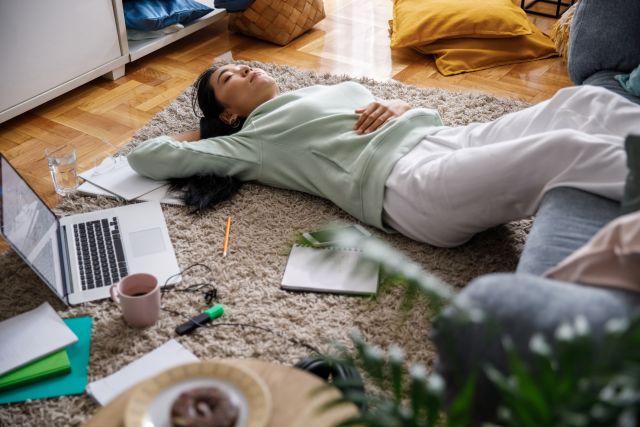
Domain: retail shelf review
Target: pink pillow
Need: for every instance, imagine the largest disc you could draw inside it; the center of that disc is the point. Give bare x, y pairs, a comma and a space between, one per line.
610, 258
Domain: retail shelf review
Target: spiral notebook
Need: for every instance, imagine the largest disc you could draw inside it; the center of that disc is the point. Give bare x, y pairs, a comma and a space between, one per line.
315, 270
160, 195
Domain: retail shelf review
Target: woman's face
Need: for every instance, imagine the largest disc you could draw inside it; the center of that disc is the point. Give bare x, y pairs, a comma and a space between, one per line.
240, 89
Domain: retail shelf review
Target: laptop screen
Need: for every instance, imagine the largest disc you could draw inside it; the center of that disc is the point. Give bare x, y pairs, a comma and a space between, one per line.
29, 226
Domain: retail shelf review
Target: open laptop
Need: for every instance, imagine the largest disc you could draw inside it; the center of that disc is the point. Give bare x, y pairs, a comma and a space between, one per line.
80, 256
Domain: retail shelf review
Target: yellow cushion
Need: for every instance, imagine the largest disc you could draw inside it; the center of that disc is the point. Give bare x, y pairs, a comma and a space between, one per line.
418, 22
455, 56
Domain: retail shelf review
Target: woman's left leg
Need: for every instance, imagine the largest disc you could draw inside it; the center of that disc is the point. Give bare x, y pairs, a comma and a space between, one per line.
589, 109
450, 196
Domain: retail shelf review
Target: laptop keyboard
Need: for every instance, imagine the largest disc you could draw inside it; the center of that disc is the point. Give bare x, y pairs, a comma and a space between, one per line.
100, 254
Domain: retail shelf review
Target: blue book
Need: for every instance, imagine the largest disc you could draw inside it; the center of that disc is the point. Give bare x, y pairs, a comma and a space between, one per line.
72, 383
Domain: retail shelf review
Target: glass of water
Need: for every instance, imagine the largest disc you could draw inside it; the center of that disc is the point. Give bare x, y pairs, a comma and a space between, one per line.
63, 167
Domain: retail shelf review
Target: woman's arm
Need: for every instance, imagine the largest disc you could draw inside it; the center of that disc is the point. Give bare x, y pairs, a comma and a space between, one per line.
163, 158
376, 114
190, 136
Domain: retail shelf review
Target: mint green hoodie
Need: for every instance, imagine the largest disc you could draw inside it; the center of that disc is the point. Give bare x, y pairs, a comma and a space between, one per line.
301, 140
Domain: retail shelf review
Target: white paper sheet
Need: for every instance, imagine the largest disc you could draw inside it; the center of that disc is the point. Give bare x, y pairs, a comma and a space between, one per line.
32, 335
168, 355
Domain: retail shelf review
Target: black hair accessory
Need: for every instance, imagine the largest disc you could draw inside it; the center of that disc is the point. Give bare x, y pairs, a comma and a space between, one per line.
345, 377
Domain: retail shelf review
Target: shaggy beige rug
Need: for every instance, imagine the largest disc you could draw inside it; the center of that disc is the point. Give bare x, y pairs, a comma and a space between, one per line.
265, 223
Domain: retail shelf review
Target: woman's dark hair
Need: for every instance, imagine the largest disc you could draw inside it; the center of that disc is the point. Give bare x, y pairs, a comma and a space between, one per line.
202, 192
204, 98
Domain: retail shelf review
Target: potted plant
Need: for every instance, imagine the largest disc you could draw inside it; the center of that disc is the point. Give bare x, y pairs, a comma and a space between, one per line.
570, 381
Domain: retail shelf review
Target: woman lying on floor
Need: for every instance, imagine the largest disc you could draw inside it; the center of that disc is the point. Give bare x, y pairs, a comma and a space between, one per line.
394, 167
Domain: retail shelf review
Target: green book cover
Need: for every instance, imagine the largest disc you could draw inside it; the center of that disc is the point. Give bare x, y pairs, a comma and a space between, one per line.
57, 363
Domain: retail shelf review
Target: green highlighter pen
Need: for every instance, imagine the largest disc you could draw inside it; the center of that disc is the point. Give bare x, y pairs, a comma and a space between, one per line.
201, 319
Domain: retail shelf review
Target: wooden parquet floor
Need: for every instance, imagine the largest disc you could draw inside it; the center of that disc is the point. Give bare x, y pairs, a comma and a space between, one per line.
353, 39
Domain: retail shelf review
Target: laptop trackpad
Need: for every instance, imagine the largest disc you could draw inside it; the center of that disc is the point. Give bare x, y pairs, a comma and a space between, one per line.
146, 242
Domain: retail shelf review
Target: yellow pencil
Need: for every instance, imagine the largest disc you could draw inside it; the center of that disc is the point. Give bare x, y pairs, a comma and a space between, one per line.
226, 238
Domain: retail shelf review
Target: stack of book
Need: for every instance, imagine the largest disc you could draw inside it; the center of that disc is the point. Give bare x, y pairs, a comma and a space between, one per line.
43, 355
119, 180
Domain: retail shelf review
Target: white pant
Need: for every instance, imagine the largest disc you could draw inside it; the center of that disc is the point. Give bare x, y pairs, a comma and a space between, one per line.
459, 181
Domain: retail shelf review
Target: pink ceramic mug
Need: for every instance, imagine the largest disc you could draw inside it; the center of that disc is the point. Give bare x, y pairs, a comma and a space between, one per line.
139, 298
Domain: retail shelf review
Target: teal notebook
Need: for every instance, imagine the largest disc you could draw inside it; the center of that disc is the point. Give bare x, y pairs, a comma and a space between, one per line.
57, 363
72, 383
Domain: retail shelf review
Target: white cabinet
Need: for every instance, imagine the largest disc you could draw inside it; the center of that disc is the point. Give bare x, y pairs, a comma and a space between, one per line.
48, 47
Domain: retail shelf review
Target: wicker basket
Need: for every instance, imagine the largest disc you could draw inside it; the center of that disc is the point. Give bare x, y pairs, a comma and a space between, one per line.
277, 21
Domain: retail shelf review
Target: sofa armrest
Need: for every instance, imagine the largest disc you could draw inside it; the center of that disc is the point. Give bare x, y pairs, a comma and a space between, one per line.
604, 36
566, 220
606, 79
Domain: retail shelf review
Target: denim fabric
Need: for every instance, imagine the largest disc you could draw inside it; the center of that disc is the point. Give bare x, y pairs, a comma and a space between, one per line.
517, 305
153, 15
567, 219
604, 36
233, 5
607, 80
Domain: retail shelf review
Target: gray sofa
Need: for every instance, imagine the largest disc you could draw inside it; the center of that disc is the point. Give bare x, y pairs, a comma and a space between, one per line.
604, 42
